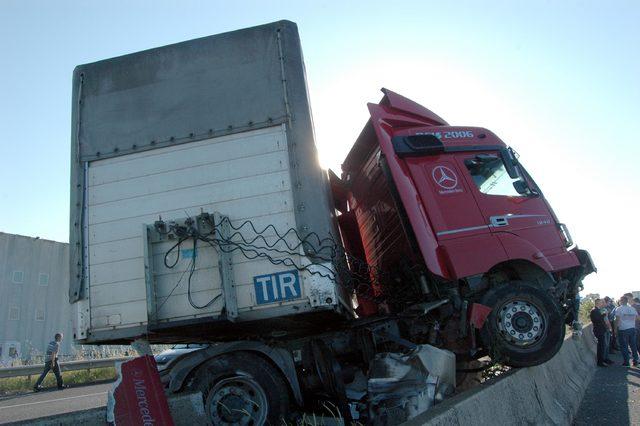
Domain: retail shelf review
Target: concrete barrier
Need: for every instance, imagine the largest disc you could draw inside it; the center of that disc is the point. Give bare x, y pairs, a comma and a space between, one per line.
186, 410
549, 394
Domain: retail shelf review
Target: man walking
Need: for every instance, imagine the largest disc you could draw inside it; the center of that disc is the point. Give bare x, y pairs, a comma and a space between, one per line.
625, 323
51, 363
601, 327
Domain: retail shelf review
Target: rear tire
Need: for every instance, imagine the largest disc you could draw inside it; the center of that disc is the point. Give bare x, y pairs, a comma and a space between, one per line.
525, 327
241, 388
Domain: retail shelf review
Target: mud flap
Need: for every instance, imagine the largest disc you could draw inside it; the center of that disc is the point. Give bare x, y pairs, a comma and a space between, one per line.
477, 316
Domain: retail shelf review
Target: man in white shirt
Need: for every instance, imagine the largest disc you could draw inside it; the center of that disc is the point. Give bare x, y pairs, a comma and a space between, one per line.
625, 323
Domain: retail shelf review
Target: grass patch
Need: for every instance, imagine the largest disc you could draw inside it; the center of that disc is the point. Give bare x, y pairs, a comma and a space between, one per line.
13, 385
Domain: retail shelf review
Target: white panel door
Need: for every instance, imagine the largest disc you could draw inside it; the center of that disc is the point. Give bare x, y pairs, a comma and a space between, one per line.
243, 176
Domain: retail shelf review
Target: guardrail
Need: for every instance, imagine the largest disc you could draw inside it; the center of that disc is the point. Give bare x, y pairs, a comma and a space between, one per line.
32, 370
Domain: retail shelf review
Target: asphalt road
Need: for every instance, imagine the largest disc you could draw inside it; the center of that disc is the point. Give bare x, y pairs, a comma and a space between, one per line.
612, 398
33, 405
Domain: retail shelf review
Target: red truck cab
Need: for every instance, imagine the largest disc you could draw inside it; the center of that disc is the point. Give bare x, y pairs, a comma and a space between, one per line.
447, 216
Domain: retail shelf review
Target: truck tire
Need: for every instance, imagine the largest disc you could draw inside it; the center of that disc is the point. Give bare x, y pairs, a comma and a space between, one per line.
241, 388
525, 327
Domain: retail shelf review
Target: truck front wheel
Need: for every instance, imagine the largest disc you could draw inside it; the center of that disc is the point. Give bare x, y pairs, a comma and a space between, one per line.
525, 326
241, 388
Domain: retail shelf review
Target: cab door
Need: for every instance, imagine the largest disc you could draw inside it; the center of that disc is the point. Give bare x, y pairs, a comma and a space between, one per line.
450, 204
454, 214
522, 219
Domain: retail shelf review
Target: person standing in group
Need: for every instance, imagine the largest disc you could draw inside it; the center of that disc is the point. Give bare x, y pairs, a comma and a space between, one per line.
610, 306
601, 327
608, 333
625, 324
51, 363
632, 302
636, 306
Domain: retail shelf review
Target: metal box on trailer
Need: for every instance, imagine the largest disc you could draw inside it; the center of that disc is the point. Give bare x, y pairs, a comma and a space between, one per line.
214, 135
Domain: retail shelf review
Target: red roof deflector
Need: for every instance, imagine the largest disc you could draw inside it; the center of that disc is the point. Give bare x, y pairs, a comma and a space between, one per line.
406, 105
397, 106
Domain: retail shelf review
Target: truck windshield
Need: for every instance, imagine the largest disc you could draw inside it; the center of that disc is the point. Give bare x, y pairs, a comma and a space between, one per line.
490, 176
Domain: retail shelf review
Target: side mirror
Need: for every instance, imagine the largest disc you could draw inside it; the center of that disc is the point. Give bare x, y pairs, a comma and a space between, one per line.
514, 155
521, 187
509, 163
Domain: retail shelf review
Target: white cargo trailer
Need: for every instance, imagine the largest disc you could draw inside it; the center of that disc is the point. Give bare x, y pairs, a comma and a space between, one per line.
217, 128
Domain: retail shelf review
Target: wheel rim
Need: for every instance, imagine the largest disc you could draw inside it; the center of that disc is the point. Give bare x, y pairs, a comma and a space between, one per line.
237, 400
521, 323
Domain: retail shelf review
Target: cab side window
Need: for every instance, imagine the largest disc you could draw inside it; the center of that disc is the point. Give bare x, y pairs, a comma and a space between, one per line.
490, 175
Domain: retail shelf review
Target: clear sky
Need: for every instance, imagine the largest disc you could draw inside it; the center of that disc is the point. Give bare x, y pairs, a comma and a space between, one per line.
557, 80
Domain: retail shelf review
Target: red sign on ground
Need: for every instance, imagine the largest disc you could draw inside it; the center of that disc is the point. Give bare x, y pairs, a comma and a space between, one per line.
138, 396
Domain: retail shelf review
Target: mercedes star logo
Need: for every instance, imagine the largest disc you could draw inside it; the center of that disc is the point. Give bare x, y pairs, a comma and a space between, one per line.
444, 177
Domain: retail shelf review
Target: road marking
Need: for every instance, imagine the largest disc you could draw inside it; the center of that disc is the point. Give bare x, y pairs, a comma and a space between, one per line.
53, 400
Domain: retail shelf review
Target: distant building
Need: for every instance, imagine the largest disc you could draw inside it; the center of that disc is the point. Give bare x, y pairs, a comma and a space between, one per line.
34, 304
